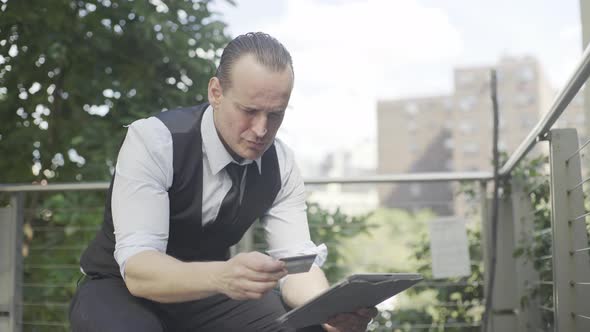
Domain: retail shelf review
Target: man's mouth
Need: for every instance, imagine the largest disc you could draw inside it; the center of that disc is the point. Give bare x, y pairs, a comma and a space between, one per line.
257, 145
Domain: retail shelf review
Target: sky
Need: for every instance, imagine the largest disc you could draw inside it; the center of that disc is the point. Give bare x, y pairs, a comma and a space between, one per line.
348, 54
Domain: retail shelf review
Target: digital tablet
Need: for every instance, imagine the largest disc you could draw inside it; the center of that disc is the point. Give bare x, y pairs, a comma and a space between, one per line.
355, 292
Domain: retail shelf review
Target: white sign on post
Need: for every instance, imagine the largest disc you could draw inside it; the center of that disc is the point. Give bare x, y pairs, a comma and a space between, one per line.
449, 248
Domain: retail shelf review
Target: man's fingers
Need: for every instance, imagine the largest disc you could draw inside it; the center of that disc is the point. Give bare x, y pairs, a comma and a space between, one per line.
349, 321
258, 267
249, 274
368, 312
259, 262
263, 263
259, 276
247, 290
256, 287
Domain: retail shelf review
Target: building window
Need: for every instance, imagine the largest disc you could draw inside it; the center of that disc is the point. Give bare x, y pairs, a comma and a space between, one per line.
465, 78
411, 108
449, 144
527, 121
449, 165
415, 189
526, 74
448, 105
467, 103
466, 127
412, 126
470, 148
524, 99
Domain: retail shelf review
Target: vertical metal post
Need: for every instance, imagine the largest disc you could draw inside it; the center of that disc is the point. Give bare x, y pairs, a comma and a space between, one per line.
485, 242
567, 204
11, 221
585, 20
529, 317
504, 298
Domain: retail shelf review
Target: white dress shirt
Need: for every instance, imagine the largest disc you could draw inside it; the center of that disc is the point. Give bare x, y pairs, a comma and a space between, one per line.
144, 172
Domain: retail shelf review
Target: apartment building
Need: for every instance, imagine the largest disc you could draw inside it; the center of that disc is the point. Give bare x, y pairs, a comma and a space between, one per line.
454, 133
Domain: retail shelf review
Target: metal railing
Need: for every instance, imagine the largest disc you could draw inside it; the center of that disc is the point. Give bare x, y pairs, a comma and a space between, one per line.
44, 303
561, 102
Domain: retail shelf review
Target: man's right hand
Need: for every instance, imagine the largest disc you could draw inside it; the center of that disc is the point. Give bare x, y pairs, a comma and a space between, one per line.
248, 276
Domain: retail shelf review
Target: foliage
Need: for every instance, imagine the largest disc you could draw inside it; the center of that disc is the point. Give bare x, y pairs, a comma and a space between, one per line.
455, 301
531, 176
332, 228
72, 73
394, 230
397, 241
55, 236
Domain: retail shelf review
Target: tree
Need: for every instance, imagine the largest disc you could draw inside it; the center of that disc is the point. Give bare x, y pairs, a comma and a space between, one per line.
73, 73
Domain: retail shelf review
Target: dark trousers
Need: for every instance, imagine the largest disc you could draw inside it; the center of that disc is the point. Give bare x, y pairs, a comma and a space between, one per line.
106, 305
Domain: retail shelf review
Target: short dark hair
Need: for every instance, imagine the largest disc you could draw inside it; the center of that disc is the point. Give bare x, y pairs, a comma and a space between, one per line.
267, 50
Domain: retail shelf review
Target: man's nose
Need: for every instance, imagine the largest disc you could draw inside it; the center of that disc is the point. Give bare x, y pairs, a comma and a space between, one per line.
259, 125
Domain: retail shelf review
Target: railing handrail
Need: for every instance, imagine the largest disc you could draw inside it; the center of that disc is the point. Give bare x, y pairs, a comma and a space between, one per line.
76, 186
404, 178
560, 103
384, 178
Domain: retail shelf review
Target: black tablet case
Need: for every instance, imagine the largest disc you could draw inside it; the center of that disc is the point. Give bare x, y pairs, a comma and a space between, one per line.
355, 292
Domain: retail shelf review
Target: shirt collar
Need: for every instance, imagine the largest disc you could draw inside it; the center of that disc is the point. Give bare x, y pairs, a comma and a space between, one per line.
214, 149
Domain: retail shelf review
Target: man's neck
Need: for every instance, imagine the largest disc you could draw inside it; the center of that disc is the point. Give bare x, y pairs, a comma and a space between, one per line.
237, 158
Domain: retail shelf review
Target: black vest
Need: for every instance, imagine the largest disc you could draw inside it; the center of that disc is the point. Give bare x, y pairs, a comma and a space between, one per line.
188, 240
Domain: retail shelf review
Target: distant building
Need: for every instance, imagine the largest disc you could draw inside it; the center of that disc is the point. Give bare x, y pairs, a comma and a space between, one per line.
454, 133
414, 136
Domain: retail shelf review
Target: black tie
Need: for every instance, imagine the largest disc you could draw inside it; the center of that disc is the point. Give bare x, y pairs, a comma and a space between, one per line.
231, 202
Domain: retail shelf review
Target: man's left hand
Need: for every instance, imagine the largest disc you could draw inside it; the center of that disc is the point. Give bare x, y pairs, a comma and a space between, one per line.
351, 321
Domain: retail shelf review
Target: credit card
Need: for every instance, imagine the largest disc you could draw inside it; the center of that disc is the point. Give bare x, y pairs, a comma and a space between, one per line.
298, 264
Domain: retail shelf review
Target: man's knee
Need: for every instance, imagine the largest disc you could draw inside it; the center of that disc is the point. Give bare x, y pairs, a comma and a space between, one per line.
106, 305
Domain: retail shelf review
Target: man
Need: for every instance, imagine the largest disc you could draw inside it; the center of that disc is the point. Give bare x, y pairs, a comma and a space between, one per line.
187, 186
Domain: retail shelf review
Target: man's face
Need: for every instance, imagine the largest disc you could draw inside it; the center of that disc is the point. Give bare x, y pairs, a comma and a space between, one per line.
249, 113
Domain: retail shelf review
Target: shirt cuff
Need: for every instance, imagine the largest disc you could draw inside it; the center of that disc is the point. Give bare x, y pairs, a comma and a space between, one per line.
128, 245
127, 253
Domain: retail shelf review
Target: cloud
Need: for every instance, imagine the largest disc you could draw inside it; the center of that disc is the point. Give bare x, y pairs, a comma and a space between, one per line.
346, 54
571, 32
347, 47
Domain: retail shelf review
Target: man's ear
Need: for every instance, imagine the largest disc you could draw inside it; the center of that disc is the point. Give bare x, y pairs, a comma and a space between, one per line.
214, 92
